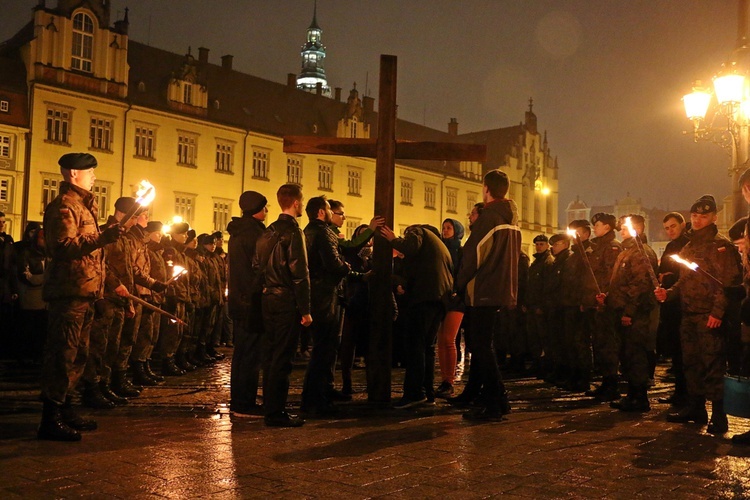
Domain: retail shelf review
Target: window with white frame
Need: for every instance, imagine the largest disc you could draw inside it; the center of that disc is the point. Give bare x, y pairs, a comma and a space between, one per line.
294, 170
451, 200
83, 43
4, 106
187, 145
50, 189
351, 225
187, 92
145, 141
429, 194
353, 126
58, 124
5, 143
184, 204
222, 213
224, 156
325, 176
260, 163
101, 191
407, 191
5, 185
100, 133
355, 181
471, 200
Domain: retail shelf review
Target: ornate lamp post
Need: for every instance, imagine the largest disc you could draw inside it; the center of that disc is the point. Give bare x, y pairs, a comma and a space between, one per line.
726, 120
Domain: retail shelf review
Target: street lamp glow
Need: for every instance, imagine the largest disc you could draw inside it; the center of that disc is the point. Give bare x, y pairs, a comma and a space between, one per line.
729, 88
546, 191
696, 103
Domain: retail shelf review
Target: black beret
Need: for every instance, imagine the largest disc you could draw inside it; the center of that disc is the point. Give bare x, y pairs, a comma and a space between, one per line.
154, 226
558, 237
579, 223
540, 237
124, 204
180, 228
206, 239
218, 235
77, 161
252, 202
706, 204
745, 177
604, 218
190, 235
737, 231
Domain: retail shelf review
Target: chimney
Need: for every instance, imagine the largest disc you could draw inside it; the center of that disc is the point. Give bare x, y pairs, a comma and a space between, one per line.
453, 127
319, 88
368, 103
202, 54
291, 80
226, 61
337, 93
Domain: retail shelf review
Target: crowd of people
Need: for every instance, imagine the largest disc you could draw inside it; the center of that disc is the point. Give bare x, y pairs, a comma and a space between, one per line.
123, 300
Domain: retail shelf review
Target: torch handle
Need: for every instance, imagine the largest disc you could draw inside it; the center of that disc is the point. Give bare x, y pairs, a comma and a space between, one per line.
585, 258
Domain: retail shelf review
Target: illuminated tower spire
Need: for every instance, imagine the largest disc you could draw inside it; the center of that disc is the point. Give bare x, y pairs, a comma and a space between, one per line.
313, 58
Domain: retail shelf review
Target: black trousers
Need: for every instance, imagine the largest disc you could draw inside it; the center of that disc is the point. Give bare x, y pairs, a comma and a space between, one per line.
282, 326
324, 332
484, 321
423, 320
249, 346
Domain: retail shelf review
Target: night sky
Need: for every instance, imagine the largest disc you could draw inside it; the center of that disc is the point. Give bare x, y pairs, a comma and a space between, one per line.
606, 76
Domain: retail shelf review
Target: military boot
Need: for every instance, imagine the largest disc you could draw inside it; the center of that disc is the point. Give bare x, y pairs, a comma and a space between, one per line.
183, 363
92, 397
140, 376
108, 393
202, 357
122, 386
150, 371
52, 427
624, 401
169, 368
719, 423
211, 351
638, 402
607, 391
693, 411
73, 419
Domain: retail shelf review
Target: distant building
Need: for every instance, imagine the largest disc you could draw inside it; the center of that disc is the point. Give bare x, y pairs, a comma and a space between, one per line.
203, 133
313, 75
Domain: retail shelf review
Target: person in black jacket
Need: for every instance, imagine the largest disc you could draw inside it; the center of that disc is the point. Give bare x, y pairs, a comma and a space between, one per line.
327, 269
245, 303
281, 260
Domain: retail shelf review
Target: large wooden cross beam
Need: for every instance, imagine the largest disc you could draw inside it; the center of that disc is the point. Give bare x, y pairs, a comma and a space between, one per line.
385, 149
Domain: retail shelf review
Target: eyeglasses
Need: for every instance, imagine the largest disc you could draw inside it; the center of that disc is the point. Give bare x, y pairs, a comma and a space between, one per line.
340, 214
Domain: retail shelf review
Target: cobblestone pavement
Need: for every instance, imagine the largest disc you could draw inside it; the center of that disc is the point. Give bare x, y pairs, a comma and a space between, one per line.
179, 441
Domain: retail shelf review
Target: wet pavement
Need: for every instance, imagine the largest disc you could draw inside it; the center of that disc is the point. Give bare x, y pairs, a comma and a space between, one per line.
180, 441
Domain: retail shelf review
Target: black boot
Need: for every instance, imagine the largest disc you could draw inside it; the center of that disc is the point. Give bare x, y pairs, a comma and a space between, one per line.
150, 372
73, 420
638, 402
123, 387
169, 368
183, 363
140, 376
52, 427
719, 423
693, 411
607, 391
630, 395
202, 357
108, 393
93, 398
211, 351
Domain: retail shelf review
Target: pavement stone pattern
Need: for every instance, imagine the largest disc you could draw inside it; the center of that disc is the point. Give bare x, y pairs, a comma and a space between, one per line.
179, 441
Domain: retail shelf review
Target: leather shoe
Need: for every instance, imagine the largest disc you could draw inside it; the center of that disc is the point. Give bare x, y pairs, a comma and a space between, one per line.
283, 419
52, 427
93, 398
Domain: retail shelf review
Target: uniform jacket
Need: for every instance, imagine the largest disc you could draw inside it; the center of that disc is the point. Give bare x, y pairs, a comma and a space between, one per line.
427, 265
553, 284
489, 267
76, 268
281, 257
631, 289
715, 254
141, 262
605, 251
669, 270
212, 267
174, 255
198, 287
244, 233
157, 269
539, 271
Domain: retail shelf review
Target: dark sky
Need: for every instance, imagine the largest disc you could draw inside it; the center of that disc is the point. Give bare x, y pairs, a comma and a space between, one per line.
606, 76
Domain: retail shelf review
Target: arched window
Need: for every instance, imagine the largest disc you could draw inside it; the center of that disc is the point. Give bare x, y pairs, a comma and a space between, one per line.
83, 43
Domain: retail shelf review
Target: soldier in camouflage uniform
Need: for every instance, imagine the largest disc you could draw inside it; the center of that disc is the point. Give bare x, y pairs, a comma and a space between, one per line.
159, 273
199, 298
631, 298
74, 280
536, 320
704, 303
554, 291
605, 341
177, 297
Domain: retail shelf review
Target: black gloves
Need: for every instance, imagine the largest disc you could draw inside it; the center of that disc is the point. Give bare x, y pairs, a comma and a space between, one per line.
159, 286
110, 235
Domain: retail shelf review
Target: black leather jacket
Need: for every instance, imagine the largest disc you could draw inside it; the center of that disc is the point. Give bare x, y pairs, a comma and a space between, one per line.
281, 258
327, 266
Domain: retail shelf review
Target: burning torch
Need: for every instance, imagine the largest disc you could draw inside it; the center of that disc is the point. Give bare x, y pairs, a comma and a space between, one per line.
574, 234
694, 267
144, 196
628, 224
177, 271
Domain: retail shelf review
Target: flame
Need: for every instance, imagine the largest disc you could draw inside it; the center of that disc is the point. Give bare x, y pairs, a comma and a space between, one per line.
572, 233
690, 265
226, 292
628, 224
145, 194
178, 270
167, 228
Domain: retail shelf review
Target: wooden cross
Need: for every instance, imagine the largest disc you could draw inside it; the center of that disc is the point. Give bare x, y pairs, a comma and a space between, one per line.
385, 149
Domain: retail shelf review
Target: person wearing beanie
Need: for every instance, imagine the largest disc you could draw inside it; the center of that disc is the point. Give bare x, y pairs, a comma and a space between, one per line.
704, 307
244, 303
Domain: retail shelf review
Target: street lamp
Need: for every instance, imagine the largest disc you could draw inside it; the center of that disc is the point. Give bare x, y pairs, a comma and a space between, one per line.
731, 87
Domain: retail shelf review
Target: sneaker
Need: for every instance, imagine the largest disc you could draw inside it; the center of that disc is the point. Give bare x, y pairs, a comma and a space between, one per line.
444, 390
405, 403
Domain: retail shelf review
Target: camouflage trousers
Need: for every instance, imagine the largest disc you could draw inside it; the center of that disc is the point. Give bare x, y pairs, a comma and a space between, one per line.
606, 342
704, 356
637, 341
171, 333
67, 347
127, 340
144, 340
105, 331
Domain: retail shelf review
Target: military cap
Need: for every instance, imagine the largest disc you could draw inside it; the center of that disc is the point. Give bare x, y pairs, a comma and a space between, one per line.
218, 235
744, 178
540, 237
579, 223
154, 226
706, 204
124, 204
252, 202
77, 161
604, 218
180, 228
206, 239
737, 231
558, 237
190, 235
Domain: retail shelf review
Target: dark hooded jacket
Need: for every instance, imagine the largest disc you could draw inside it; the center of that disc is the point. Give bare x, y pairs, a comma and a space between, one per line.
427, 264
243, 280
454, 244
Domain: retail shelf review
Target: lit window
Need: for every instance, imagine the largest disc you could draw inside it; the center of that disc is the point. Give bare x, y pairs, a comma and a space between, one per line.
100, 133
471, 200
451, 200
222, 214
260, 164
145, 141
5, 146
354, 128
50, 189
4, 106
294, 170
187, 93
183, 206
355, 181
325, 176
101, 194
407, 190
83, 43
429, 195
351, 225
224, 155
186, 149
5, 189
58, 125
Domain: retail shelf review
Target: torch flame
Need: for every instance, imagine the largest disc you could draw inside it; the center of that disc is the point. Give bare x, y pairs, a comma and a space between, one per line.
690, 265
178, 270
145, 194
572, 233
629, 226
